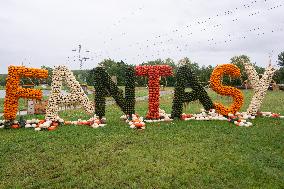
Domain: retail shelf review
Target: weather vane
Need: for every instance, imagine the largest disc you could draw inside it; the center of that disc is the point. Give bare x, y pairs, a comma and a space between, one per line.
81, 58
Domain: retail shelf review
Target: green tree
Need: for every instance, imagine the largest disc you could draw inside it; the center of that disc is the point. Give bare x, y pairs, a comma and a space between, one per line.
238, 61
3, 79
205, 74
168, 81
279, 75
153, 62
192, 65
48, 80
117, 69
281, 59
81, 76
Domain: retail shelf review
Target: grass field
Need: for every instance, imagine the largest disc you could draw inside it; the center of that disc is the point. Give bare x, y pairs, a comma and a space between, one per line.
192, 154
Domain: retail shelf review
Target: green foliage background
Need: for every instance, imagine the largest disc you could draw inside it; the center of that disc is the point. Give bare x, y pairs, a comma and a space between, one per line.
203, 73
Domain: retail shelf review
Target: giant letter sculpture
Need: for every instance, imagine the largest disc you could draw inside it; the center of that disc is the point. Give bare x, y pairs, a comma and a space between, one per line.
76, 96
154, 73
104, 84
14, 91
259, 86
185, 75
216, 84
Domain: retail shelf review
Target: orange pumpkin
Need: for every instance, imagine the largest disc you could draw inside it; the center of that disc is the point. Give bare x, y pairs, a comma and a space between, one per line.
55, 124
51, 128
97, 121
67, 122
215, 81
15, 126
41, 121
138, 125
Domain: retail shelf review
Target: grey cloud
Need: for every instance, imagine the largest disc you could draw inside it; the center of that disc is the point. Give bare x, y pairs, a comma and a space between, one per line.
45, 32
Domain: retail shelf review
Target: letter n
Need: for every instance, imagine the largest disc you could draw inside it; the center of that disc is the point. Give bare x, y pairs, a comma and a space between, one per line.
103, 84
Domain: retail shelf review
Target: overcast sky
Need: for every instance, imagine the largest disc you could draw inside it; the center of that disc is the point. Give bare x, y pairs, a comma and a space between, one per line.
38, 32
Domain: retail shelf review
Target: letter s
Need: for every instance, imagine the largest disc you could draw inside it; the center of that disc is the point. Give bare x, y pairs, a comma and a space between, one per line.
216, 85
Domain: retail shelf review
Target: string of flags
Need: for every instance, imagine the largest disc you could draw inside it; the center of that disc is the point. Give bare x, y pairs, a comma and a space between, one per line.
181, 40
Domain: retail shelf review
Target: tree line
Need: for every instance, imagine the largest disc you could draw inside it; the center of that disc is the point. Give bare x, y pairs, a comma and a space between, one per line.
118, 69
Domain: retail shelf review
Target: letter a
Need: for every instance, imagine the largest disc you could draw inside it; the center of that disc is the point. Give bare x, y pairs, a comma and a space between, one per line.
76, 96
184, 75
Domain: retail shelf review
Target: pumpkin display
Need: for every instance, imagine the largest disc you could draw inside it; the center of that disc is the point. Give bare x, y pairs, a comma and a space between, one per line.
103, 84
32, 123
137, 122
49, 125
238, 119
14, 91
134, 121
184, 78
94, 122
154, 73
163, 117
76, 96
259, 86
216, 85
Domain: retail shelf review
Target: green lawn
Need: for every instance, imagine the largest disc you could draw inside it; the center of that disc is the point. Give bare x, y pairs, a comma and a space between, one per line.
192, 154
